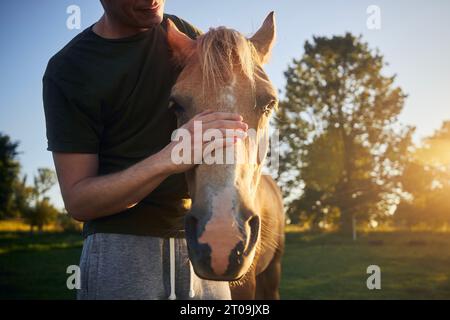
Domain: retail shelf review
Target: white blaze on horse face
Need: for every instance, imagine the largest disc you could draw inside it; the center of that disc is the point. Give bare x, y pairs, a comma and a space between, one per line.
235, 154
227, 98
222, 232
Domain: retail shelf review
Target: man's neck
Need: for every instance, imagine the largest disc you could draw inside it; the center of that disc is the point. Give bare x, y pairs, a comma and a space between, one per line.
108, 28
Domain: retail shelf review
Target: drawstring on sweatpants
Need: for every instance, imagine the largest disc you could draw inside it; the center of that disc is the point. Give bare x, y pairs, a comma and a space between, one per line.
191, 281
172, 295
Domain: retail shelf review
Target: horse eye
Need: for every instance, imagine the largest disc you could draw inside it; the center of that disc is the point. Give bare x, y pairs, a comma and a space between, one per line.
175, 107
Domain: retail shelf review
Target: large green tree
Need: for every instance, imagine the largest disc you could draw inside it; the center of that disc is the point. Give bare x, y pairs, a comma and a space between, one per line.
342, 143
9, 170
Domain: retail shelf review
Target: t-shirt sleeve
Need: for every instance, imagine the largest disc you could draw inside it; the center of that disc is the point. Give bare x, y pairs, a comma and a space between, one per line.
73, 126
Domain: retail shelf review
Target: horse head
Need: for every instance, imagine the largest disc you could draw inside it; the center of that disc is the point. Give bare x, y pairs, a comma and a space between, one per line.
222, 70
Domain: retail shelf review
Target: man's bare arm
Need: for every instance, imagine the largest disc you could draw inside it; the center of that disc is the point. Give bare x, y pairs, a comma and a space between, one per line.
88, 196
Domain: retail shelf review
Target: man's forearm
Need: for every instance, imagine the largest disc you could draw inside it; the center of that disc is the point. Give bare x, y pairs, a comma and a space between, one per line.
100, 196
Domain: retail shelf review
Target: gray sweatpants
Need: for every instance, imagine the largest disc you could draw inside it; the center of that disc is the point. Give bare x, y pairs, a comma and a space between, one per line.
119, 266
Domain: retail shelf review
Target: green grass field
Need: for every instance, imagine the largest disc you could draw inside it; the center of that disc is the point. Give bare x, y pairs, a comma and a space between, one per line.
413, 266
316, 266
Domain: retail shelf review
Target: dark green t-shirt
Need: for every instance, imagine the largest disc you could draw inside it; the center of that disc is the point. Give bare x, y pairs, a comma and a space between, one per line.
110, 97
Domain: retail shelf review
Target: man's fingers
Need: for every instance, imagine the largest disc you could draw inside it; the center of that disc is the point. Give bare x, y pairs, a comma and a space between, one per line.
222, 142
227, 133
217, 144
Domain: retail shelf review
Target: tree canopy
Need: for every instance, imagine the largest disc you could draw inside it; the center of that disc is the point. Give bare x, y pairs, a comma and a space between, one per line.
343, 144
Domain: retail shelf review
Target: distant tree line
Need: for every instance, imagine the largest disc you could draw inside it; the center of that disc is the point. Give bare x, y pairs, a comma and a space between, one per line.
18, 199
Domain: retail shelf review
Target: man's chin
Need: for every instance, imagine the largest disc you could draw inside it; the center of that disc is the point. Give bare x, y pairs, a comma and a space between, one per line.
147, 20
149, 23
156, 20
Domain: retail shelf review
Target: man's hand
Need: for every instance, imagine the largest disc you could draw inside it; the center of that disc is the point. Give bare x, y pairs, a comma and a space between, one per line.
230, 125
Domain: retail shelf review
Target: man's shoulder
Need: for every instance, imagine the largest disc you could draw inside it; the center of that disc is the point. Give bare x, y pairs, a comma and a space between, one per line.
60, 61
184, 26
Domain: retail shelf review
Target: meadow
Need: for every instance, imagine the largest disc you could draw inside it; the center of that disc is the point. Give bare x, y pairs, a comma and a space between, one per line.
414, 265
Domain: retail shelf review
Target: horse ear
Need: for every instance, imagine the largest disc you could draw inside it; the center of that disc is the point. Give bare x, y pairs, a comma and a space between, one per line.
182, 46
264, 38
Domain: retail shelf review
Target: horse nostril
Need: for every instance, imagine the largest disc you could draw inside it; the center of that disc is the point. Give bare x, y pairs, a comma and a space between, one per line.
253, 223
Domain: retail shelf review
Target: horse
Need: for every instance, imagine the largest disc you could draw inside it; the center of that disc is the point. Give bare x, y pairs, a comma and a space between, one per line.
235, 226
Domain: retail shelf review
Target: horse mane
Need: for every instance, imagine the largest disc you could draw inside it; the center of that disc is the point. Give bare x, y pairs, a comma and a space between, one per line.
221, 51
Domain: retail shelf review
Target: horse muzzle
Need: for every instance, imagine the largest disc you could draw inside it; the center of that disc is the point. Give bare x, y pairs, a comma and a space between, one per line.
217, 252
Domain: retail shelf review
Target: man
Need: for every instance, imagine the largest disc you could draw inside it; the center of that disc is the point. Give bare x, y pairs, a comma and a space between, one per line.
109, 127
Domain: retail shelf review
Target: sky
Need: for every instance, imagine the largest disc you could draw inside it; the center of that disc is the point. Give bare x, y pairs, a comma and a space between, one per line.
414, 37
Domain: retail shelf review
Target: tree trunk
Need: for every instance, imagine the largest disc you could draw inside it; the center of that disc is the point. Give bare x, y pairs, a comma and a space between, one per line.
346, 224
346, 219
